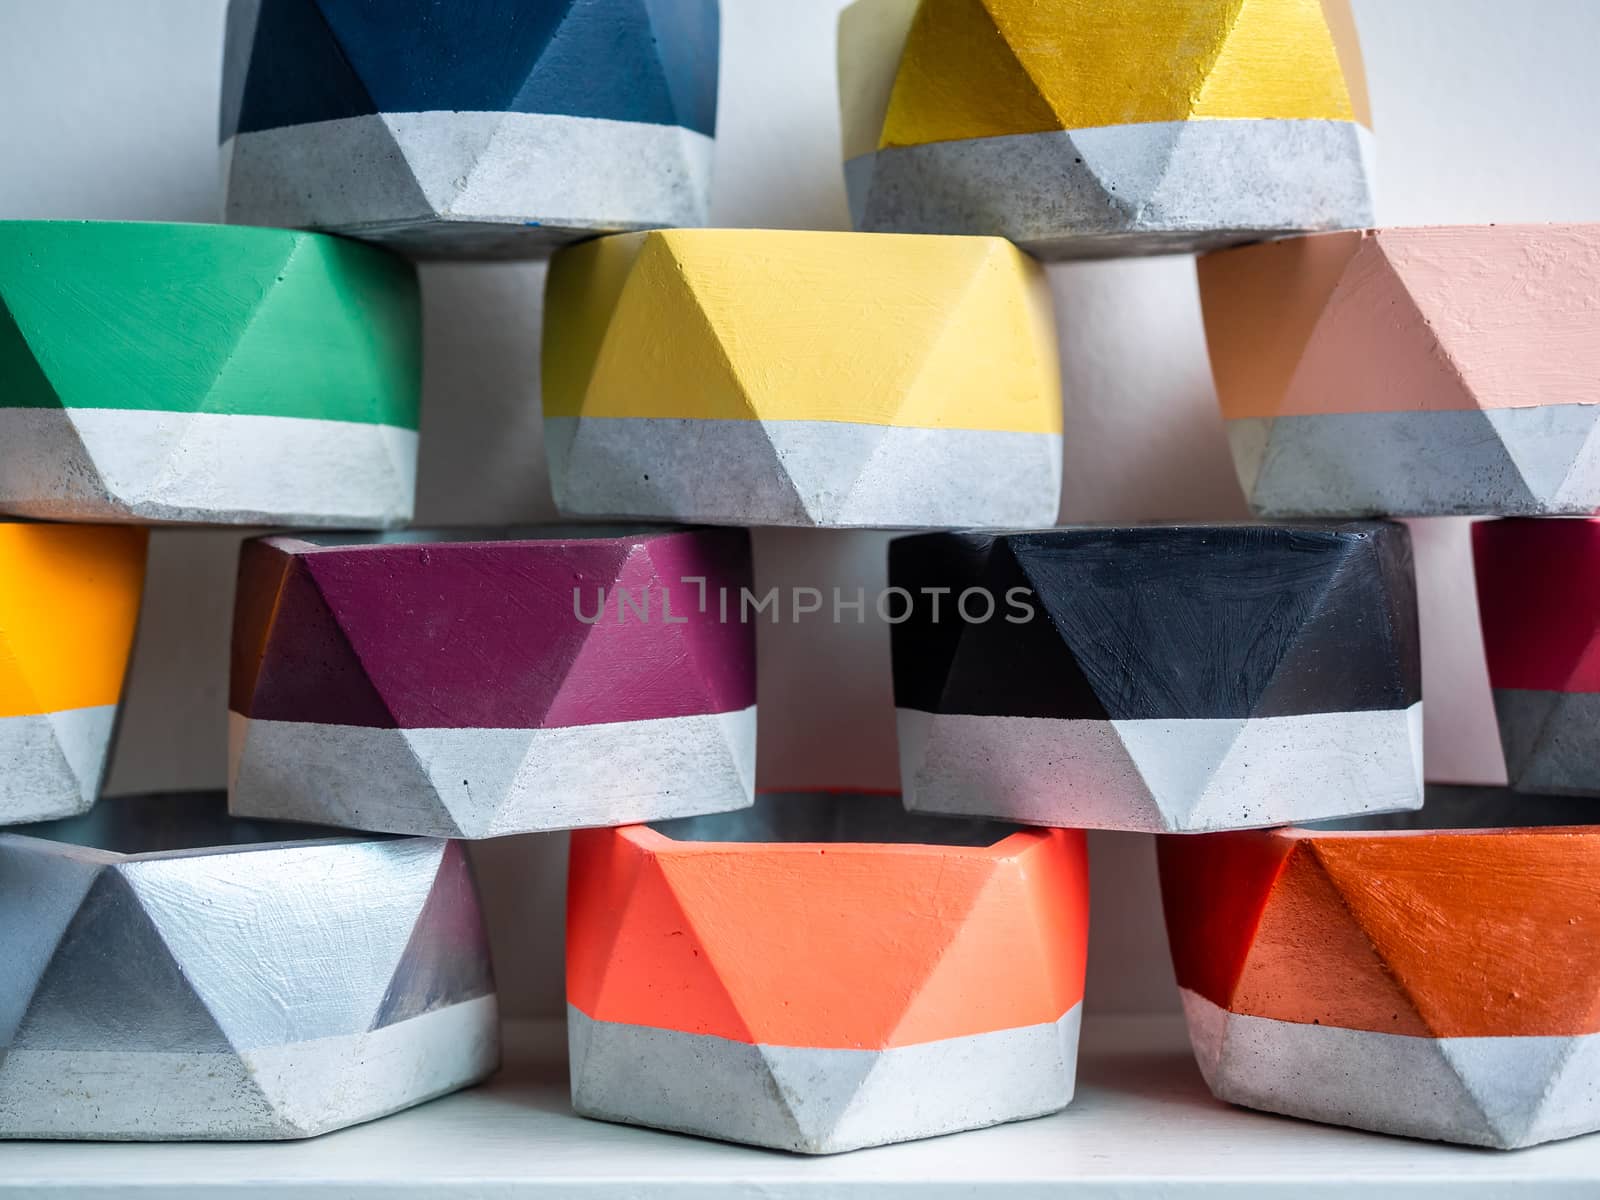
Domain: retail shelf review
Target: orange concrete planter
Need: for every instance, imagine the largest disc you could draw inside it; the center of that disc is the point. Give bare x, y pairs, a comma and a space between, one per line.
822, 973
1434, 974
69, 604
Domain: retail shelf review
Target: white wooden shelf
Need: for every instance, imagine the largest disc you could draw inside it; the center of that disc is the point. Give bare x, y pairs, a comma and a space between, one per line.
1142, 1125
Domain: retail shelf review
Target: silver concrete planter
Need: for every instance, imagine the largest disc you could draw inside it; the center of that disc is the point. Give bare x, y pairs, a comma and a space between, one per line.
171, 973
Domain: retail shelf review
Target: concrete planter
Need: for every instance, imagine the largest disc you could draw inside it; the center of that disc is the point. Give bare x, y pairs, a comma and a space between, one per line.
823, 973
475, 684
1430, 974
205, 375
1085, 130
480, 129
69, 602
762, 377
1539, 600
1173, 679
174, 974
1411, 372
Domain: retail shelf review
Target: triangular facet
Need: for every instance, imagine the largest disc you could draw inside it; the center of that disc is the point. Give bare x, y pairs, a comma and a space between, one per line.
1508, 1078
991, 667
1524, 717
1462, 286
823, 477
41, 892
782, 316
872, 38
1254, 373
657, 306
414, 56
107, 335
442, 170
958, 40
685, 39
1546, 445
67, 615
990, 309
601, 61
1311, 960
1153, 644
1129, 162
447, 958
1373, 307
1176, 759
114, 984
25, 383
308, 669
657, 939
1354, 649
83, 737
256, 983
817, 1089
1435, 909
291, 71
1254, 72
1580, 480
470, 780
1020, 989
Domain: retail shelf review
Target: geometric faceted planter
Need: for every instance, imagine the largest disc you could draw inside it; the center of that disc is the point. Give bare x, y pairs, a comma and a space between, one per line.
174, 974
1080, 129
458, 683
69, 602
1431, 974
1411, 372
197, 373
471, 129
758, 377
1539, 601
823, 973
1171, 679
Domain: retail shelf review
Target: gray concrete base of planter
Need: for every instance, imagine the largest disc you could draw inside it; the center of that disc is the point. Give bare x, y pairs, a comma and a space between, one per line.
1501, 1092
818, 1101
1500, 461
1551, 740
51, 764
1162, 776
478, 783
111, 464
469, 184
1157, 188
173, 974
822, 473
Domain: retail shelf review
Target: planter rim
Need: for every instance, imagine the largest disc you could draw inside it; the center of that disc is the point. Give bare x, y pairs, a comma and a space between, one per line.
1510, 227
1011, 838
262, 232
1353, 526
551, 534
74, 836
1008, 846
732, 232
1311, 833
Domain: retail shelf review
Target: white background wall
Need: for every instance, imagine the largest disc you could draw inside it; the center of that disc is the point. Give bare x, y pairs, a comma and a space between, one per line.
1486, 111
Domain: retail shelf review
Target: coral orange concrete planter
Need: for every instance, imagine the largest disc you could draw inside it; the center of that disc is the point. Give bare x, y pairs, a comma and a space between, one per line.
822, 973
1434, 974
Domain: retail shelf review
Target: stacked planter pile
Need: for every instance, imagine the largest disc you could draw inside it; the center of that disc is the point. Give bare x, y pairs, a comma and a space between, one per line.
815, 973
